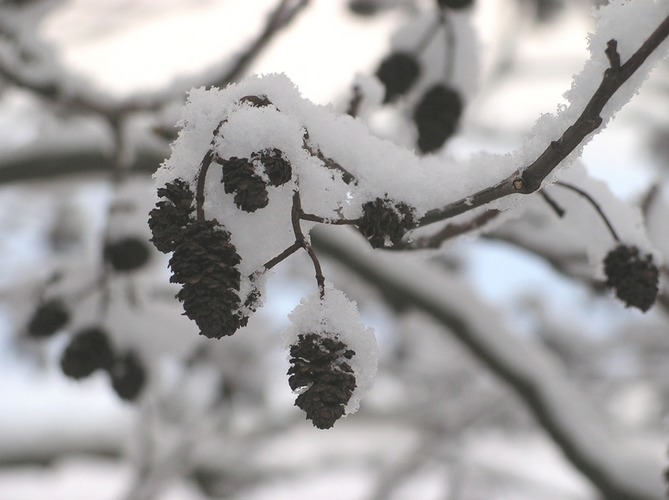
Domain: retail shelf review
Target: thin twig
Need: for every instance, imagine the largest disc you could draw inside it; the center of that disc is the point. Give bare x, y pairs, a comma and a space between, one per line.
278, 19
54, 88
333, 222
593, 203
446, 233
302, 241
347, 176
282, 256
208, 158
552, 203
201, 180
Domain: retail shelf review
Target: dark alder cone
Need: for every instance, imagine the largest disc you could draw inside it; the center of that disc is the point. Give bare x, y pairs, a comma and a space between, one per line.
277, 168
48, 318
319, 364
239, 177
398, 72
126, 254
171, 215
455, 4
205, 263
437, 116
89, 350
384, 223
633, 277
127, 376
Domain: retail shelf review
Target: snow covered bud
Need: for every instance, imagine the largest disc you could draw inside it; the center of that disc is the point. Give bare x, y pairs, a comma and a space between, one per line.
240, 178
398, 72
384, 222
633, 277
49, 317
126, 254
436, 117
205, 263
332, 357
128, 376
277, 168
88, 351
168, 220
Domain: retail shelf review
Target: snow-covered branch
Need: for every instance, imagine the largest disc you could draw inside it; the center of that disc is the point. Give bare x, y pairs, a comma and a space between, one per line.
528, 179
583, 433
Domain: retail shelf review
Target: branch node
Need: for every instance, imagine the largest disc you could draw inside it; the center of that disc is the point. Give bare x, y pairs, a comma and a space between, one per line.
612, 54
518, 184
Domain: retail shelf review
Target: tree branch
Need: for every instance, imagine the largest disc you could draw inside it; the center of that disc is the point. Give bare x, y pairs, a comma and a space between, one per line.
528, 179
54, 88
580, 430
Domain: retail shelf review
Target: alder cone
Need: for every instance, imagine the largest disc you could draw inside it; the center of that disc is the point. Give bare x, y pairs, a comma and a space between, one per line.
171, 215
48, 318
239, 177
126, 254
634, 278
128, 376
319, 367
88, 351
384, 223
278, 169
398, 72
436, 116
205, 263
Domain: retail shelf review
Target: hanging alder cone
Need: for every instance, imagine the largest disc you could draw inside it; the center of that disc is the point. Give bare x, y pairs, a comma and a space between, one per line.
205, 263
398, 72
633, 277
239, 177
127, 376
168, 220
49, 317
436, 117
88, 351
278, 169
384, 222
126, 254
319, 366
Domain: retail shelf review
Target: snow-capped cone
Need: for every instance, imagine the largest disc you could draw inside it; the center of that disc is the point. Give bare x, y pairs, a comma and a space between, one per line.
333, 357
320, 372
384, 222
